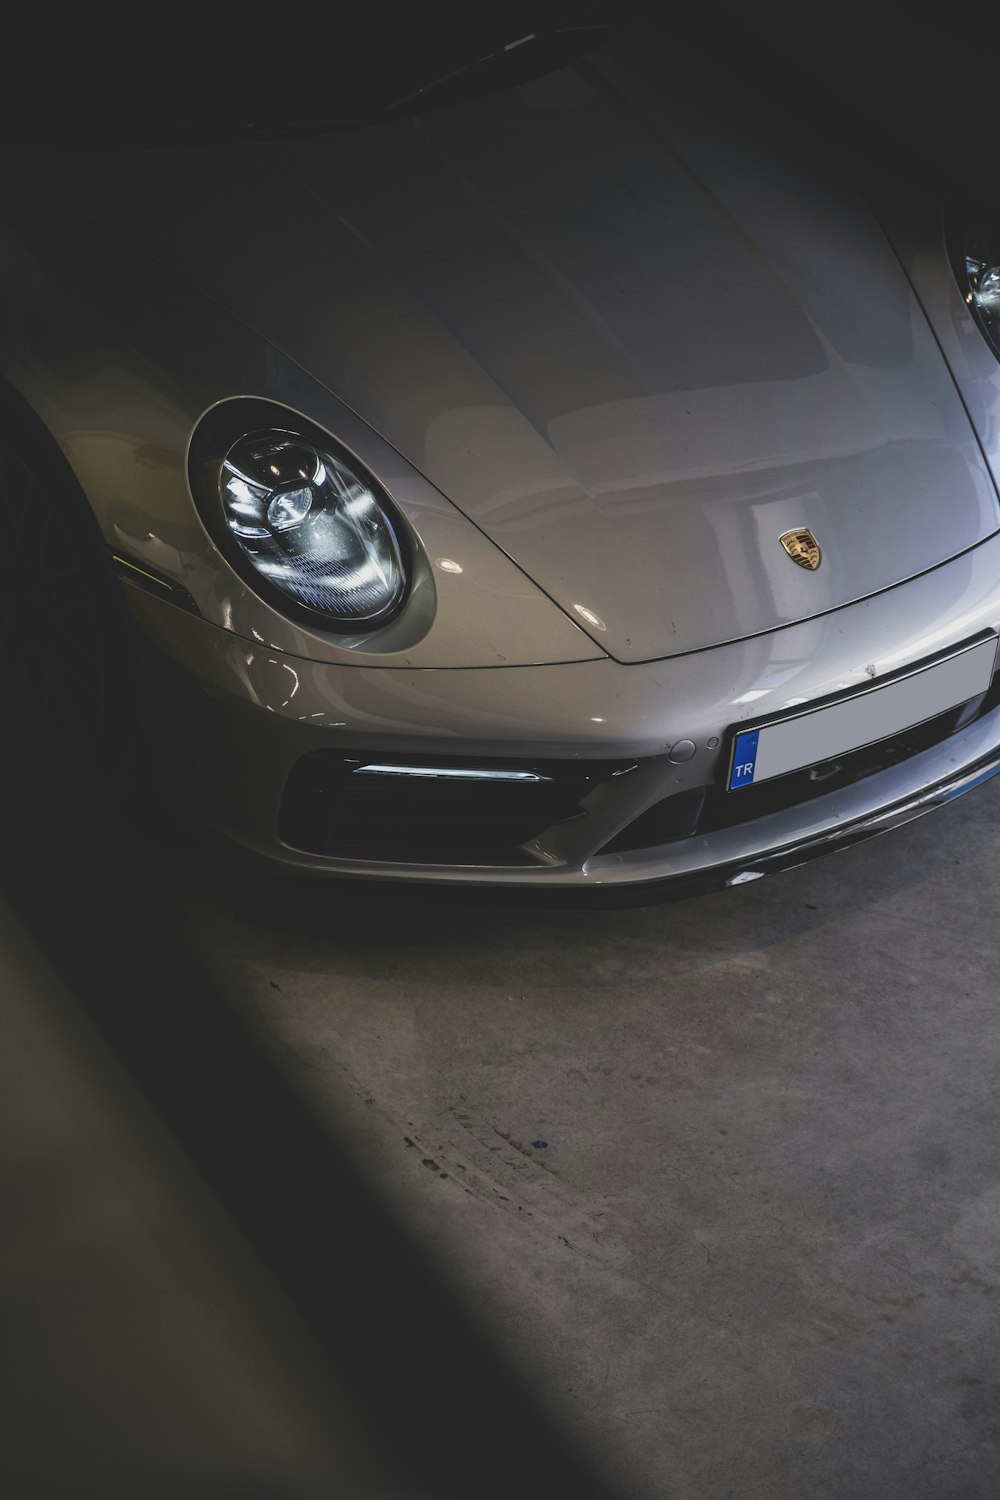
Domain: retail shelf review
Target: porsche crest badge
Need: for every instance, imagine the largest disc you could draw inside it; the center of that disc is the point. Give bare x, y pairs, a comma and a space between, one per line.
802, 547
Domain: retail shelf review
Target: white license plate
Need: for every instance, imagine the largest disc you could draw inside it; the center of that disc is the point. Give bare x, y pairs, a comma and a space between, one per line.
821, 734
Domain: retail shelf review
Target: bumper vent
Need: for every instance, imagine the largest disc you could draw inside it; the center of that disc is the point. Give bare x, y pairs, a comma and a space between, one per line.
440, 809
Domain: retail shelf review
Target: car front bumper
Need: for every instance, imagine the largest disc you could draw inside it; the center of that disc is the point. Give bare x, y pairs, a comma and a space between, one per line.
235, 717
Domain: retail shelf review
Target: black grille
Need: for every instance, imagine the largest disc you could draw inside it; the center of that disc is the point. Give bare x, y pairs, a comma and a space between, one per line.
332, 806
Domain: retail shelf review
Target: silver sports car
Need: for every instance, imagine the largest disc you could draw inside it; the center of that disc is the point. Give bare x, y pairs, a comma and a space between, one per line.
544, 477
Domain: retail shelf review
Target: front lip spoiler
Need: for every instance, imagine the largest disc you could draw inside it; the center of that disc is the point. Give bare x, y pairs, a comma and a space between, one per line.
800, 852
865, 828
663, 889
720, 877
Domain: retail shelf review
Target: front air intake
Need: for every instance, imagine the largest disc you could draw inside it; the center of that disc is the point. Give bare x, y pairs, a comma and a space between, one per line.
432, 809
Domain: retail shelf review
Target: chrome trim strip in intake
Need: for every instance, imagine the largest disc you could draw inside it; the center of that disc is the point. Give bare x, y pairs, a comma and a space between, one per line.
450, 773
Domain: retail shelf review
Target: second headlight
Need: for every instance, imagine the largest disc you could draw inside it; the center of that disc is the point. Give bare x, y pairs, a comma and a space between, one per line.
975, 258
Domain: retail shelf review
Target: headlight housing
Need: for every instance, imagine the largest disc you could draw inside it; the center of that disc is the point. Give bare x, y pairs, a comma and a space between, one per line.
306, 526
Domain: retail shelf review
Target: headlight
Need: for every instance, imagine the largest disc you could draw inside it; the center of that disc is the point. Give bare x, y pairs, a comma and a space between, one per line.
977, 266
303, 522
312, 527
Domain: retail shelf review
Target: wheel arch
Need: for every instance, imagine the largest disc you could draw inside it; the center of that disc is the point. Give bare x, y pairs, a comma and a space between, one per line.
25, 431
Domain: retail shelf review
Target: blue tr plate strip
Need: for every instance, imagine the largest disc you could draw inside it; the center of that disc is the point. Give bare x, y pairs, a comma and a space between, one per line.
744, 757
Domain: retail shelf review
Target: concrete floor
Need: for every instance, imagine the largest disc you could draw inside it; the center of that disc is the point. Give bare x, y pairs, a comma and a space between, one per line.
759, 1255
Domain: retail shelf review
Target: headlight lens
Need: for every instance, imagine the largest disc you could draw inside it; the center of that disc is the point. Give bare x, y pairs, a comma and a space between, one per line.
312, 528
977, 266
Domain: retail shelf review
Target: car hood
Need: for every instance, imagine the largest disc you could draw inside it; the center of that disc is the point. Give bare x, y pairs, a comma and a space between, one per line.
634, 345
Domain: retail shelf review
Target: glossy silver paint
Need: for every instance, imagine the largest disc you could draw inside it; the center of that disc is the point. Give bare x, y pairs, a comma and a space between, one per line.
603, 348
632, 353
